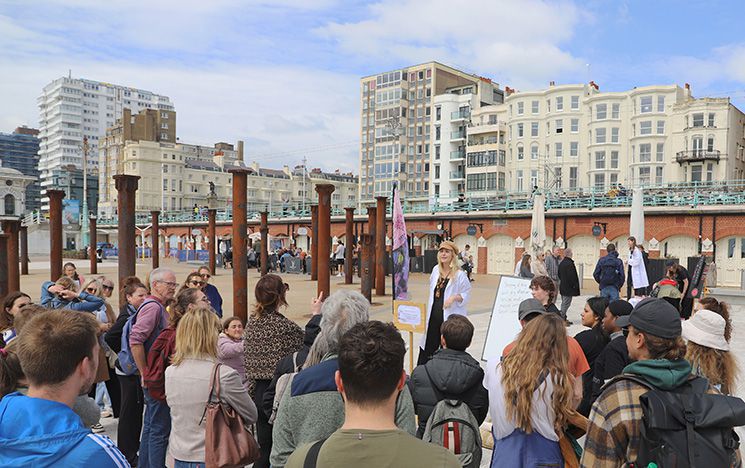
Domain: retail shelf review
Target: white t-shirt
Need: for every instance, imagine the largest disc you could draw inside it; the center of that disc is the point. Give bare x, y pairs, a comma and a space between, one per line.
340, 251
542, 417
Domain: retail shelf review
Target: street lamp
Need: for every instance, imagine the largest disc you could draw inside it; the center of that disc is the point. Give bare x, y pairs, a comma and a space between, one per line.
84, 214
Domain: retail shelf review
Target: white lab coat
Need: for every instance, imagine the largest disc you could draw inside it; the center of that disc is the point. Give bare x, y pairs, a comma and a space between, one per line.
460, 285
638, 270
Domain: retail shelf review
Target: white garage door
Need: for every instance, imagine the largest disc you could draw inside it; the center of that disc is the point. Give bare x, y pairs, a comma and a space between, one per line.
586, 252
680, 247
461, 242
501, 253
730, 260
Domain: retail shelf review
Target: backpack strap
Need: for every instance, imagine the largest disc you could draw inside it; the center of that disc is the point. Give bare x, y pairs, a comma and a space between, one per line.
311, 458
294, 362
690, 419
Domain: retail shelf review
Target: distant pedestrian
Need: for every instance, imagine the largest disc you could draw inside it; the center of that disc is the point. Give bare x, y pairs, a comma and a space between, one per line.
466, 259
639, 279
538, 265
553, 259
569, 282
524, 270
339, 258
210, 290
69, 270
230, 345
609, 273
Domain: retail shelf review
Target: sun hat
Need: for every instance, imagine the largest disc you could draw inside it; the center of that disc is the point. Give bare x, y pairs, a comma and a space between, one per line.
706, 328
450, 245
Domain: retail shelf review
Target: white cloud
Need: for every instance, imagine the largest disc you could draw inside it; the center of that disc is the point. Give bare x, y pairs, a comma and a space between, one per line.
723, 65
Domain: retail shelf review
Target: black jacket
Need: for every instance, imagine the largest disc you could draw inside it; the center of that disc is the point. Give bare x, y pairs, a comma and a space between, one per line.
613, 267
455, 375
592, 342
284, 366
610, 363
568, 279
113, 337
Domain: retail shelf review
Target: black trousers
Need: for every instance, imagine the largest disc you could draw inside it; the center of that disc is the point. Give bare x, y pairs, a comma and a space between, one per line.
115, 392
130, 416
263, 428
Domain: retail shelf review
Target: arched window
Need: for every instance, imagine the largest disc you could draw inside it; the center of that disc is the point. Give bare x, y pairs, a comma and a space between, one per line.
10, 204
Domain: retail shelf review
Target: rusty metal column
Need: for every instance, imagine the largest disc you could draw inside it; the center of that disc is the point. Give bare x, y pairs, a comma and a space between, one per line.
366, 265
55, 233
24, 250
126, 188
371, 229
381, 259
93, 242
314, 242
155, 236
12, 228
212, 228
240, 228
264, 230
324, 238
4, 286
348, 267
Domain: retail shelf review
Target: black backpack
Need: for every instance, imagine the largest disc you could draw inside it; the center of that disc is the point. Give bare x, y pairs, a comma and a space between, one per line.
687, 427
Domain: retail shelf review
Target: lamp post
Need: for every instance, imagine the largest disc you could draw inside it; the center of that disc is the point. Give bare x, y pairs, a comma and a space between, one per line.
84, 214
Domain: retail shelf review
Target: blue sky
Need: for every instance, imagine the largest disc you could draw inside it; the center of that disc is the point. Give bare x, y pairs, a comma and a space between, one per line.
284, 75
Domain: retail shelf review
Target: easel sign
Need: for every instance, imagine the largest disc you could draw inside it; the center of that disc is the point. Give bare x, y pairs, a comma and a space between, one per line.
411, 317
504, 325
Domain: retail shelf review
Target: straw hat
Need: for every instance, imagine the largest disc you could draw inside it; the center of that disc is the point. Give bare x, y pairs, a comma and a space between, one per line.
706, 328
450, 245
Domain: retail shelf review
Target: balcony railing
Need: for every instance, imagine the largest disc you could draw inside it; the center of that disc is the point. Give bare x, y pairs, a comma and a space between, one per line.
457, 154
459, 115
696, 156
459, 135
455, 175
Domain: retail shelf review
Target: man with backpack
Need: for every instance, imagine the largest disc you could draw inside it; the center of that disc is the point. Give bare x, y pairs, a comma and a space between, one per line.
656, 413
451, 374
370, 377
143, 328
609, 273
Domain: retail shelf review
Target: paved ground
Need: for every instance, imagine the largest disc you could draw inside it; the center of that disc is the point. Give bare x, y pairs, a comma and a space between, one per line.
302, 291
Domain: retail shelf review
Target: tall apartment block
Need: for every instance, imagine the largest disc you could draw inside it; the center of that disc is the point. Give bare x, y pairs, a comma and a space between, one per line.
73, 108
20, 151
398, 142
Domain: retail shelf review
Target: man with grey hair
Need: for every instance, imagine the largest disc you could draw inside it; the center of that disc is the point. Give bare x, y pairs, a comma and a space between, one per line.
147, 323
568, 283
552, 261
311, 407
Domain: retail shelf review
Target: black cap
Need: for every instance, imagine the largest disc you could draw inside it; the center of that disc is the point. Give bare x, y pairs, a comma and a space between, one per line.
654, 316
529, 307
619, 308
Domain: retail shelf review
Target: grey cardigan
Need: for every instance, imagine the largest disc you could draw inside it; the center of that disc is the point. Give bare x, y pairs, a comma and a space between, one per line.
187, 390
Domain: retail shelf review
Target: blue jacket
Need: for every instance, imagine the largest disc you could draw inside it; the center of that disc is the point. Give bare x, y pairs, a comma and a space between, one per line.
39, 433
215, 299
86, 303
607, 265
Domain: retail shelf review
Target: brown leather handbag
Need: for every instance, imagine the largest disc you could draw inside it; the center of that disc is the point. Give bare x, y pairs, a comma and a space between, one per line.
227, 442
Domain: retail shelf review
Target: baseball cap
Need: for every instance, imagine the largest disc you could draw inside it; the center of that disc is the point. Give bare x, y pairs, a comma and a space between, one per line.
529, 307
654, 316
619, 308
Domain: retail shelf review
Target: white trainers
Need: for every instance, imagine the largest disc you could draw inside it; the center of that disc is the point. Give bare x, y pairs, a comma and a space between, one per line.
97, 428
106, 413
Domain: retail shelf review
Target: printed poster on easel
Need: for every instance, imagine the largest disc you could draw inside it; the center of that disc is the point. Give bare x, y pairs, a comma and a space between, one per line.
503, 323
410, 317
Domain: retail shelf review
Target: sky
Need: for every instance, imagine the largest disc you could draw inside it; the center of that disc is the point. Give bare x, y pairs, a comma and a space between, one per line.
284, 75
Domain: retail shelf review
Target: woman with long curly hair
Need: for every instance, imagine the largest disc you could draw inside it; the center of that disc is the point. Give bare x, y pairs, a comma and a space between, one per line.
708, 350
530, 396
719, 307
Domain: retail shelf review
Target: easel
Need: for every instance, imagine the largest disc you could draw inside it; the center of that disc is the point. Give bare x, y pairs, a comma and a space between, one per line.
411, 317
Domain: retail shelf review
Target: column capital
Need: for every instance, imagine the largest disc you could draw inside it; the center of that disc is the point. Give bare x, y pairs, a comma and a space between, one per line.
325, 189
125, 182
239, 170
349, 209
155, 213
372, 210
382, 198
56, 194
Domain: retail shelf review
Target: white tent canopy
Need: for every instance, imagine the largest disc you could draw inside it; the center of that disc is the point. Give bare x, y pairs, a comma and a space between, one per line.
538, 224
636, 223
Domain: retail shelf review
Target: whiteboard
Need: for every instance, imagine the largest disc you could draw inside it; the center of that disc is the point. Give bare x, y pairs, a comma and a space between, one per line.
503, 322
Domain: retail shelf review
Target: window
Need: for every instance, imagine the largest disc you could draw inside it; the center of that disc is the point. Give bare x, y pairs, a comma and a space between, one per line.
533, 179
660, 103
534, 105
519, 179
574, 102
572, 177
574, 149
645, 128
559, 126
501, 182
599, 135
660, 127
520, 152
601, 111
163, 136
710, 174
558, 150
645, 152
438, 113
698, 120
660, 154
696, 173
599, 159
711, 119
615, 111
165, 184
644, 175
557, 177
599, 182
520, 130
614, 135
710, 143
731, 244
645, 104
614, 159
10, 204
658, 175
574, 126
437, 172
534, 129
164, 125
559, 104
520, 108
534, 152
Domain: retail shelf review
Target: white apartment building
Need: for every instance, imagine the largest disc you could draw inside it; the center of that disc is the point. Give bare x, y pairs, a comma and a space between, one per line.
574, 137
396, 138
73, 108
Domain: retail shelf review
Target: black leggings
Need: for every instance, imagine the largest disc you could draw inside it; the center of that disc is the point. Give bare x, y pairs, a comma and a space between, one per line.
263, 428
130, 420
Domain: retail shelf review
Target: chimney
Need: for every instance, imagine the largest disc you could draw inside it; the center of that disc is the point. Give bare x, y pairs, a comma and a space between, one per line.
240, 151
551, 83
508, 91
595, 85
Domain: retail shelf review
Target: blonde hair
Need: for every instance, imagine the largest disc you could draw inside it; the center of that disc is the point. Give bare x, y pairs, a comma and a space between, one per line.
196, 335
67, 283
110, 316
718, 366
541, 347
450, 245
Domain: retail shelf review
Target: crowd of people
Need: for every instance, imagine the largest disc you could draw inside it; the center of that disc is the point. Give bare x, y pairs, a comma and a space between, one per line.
336, 394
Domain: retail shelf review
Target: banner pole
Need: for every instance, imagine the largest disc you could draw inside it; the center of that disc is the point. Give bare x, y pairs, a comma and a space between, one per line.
411, 352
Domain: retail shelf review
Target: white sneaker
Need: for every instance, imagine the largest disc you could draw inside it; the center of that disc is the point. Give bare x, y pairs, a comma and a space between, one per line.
97, 428
106, 413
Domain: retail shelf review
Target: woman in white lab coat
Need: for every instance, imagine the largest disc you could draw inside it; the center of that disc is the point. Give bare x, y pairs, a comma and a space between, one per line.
639, 279
449, 289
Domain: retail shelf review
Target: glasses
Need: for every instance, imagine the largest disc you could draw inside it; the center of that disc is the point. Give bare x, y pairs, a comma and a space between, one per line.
170, 284
108, 288
197, 283
206, 275
91, 290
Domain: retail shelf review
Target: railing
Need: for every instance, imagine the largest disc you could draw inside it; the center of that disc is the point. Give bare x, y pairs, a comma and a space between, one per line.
457, 135
458, 115
33, 218
696, 156
690, 194
457, 154
457, 175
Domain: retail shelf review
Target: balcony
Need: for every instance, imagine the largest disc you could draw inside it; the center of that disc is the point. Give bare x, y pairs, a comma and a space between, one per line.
457, 175
697, 155
460, 115
458, 154
459, 135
